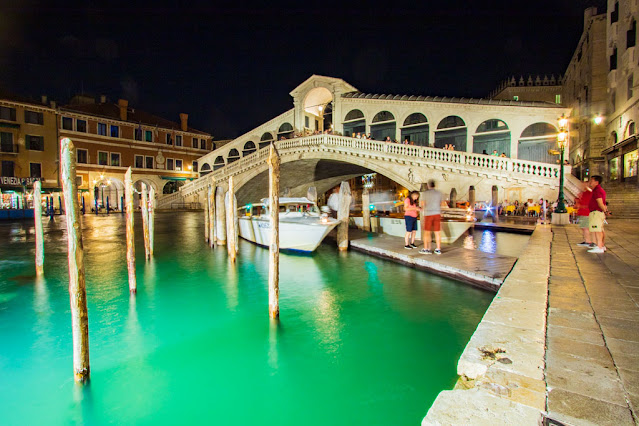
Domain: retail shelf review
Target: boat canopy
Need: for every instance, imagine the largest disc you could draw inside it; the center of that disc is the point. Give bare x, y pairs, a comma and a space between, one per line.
290, 200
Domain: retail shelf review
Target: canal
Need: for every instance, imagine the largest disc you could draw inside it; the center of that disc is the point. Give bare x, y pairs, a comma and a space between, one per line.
360, 341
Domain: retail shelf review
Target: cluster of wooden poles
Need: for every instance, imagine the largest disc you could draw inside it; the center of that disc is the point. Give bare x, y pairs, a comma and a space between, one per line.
77, 284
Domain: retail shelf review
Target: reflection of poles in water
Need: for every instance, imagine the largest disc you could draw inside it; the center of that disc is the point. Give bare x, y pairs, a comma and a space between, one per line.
343, 215
39, 235
231, 221
144, 207
211, 216
272, 344
151, 220
130, 244
77, 287
274, 219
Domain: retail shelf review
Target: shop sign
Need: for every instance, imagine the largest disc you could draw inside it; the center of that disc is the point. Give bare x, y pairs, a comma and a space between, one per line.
16, 181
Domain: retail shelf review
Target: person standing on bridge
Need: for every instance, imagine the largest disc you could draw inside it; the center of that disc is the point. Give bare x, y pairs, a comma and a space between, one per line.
432, 219
411, 209
597, 217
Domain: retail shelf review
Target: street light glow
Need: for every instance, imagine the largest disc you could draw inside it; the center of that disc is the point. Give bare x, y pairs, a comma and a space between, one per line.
563, 122
598, 119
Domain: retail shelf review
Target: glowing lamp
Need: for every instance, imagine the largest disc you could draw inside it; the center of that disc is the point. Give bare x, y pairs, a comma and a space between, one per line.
190, 167
320, 108
563, 122
109, 182
598, 119
371, 207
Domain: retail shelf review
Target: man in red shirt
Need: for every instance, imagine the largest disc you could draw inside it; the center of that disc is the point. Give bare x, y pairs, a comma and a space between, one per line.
582, 213
598, 210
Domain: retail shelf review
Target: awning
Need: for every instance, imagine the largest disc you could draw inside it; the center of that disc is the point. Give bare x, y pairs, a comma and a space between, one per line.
620, 144
175, 178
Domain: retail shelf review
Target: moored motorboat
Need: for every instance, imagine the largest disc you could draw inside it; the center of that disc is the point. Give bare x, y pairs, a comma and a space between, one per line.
302, 226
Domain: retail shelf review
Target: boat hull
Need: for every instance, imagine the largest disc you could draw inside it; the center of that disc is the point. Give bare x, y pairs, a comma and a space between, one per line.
451, 230
301, 235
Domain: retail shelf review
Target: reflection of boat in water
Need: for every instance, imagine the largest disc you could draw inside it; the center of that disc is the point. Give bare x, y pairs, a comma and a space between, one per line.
302, 226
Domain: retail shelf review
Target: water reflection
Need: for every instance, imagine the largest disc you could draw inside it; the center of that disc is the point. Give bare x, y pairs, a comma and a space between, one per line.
274, 329
488, 242
230, 286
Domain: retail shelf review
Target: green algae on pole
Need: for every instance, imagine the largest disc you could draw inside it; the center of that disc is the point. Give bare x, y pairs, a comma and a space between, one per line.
130, 245
211, 217
151, 219
144, 206
37, 214
77, 284
342, 215
231, 221
273, 161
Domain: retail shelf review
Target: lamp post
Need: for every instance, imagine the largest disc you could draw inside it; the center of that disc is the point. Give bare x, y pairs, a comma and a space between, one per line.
562, 141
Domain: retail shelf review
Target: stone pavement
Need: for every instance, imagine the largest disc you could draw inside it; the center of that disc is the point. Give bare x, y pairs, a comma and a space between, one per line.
592, 356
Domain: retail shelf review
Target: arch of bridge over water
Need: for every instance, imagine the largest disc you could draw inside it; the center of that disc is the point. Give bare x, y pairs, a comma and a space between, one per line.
325, 160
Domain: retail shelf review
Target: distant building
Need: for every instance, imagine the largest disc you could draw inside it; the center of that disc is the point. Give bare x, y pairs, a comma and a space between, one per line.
28, 148
530, 89
110, 137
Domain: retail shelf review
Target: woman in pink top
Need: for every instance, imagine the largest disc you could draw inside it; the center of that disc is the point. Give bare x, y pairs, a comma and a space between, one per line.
411, 208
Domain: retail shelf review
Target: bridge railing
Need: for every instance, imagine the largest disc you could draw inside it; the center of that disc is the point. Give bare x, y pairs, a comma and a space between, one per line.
390, 151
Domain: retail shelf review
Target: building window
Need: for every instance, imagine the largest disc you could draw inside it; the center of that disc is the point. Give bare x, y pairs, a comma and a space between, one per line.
81, 126
67, 123
631, 128
6, 142
35, 170
178, 164
115, 159
103, 158
102, 129
195, 143
137, 134
614, 15
34, 143
8, 168
178, 140
631, 34
630, 164
83, 156
630, 84
7, 113
194, 166
202, 143
169, 164
613, 168
115, 131
148, 135
515, 98
613, 101
169, 141
613, 59
557, 99
149, 162
33, 117
139, 162
306, 122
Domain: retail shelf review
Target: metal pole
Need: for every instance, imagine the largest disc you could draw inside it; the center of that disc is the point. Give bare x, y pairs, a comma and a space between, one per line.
561, 207
107, 205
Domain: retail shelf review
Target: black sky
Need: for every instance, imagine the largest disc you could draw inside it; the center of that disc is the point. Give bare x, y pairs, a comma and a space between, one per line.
231, 66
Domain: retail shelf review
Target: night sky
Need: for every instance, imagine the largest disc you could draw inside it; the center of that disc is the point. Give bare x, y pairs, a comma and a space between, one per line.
231, 66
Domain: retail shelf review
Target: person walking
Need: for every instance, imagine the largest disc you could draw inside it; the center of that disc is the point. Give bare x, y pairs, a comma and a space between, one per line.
432, 219
597, 216
582, 213
411, 208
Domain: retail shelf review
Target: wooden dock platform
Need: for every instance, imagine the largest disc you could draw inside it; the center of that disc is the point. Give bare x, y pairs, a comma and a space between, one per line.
484, 270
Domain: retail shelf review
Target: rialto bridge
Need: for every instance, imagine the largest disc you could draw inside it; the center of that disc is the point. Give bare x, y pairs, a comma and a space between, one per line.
524, 131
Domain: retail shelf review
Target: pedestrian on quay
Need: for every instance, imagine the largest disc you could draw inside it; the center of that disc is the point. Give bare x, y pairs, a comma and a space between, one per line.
597, 217
432, 211
582, 214
411, 209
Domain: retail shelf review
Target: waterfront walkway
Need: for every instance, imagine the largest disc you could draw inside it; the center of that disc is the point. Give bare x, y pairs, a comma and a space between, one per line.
592, 356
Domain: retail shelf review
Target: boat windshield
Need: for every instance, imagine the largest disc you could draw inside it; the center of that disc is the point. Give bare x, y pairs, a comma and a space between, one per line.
299, 208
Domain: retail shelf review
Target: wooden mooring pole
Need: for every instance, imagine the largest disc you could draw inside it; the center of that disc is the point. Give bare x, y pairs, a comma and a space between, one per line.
211, 217
207, 204
311, 192
231, 221
151, 219
77, 285
274, 248
220, 216
366, 211
144, 207
343, 215
39, 235
130, 244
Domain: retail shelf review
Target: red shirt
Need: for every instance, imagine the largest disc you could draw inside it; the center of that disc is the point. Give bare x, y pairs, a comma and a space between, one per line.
598, 192
409, 209
583, 201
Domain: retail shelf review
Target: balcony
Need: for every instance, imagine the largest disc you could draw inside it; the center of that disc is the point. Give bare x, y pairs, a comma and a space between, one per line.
9, 148
629, 58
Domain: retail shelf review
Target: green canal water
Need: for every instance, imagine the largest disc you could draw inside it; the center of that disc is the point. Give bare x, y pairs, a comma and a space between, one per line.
360, 340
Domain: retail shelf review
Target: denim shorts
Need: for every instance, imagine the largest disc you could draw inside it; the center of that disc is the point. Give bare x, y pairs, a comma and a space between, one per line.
411, 223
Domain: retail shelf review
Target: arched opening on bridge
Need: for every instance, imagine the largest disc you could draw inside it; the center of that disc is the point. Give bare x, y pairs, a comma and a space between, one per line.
172, 186
107, 190
536, 141
316, 104
630, 129
492, 135
234, 155
266, 140
249, 148
383, 126
218, 163
205, 169
416, 129
285, 131
451, 130
613, 138
137, 194
354, 123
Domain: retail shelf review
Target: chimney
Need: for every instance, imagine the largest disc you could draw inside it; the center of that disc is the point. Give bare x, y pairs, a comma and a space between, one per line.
103, 99
123, 104
44, 99
184, 118
53, 104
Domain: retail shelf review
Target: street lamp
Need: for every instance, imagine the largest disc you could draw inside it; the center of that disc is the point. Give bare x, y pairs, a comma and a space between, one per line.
598, 119
562, 141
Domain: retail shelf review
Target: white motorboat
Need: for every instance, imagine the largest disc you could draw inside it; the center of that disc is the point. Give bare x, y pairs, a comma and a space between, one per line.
302, 226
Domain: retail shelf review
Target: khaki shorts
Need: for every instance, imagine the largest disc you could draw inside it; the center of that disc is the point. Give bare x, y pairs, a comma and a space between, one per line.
584, 222
596, 220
